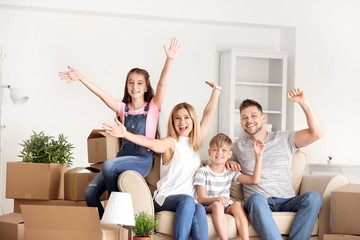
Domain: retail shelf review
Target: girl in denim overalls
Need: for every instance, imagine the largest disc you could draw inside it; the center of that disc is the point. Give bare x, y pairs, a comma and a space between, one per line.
139, 111
180, 160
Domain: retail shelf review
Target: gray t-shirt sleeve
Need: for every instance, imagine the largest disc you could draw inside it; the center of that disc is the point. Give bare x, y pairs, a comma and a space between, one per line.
200, 177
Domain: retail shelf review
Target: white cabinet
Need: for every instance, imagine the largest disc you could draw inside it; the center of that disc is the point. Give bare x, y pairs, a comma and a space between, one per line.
257, 75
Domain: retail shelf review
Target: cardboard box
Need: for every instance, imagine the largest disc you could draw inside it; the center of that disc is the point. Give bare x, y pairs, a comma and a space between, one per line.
76, 181
345, 210
340, 237
11, 227
101, 146
95, 167
19, 202
63, 222
35, 180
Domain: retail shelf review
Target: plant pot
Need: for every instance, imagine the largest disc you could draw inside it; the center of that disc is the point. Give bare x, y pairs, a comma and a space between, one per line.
141, 238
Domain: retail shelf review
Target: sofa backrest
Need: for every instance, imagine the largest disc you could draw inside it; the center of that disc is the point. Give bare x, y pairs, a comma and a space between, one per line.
298, 166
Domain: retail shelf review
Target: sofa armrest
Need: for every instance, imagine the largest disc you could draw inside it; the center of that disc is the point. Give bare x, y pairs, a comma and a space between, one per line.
132, 182
323, 185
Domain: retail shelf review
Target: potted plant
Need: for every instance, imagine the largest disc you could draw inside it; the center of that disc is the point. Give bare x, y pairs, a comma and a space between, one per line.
41, 148
40, 174
145, 225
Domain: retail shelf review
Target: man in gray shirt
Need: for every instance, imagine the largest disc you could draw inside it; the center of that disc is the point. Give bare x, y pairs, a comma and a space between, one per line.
275, 192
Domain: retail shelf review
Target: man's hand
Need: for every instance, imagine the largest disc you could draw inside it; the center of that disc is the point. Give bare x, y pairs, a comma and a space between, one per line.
297, 95
233, 166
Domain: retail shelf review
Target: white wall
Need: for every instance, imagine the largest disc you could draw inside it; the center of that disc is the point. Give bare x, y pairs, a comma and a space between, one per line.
105, 39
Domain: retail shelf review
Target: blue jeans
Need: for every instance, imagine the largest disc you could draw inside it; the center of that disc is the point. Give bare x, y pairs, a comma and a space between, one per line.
190, 217
306, 206
107, 178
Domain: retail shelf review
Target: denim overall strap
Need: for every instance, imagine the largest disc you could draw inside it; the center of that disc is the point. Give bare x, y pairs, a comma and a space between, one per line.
135, 124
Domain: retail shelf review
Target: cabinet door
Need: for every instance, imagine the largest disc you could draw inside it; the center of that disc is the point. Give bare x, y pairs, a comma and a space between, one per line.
257, 75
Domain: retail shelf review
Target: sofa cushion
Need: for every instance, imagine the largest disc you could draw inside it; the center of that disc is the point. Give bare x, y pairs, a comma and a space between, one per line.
283, 221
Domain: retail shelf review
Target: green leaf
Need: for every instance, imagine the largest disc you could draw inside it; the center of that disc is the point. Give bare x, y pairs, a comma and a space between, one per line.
41, 148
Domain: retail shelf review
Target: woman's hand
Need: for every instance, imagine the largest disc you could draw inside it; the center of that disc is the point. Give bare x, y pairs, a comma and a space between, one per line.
173, 50
72, 75
118, 130
211, 84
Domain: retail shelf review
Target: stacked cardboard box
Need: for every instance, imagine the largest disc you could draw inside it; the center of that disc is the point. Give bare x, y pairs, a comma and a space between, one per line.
345, 212
51, 199
12, 227
101, 146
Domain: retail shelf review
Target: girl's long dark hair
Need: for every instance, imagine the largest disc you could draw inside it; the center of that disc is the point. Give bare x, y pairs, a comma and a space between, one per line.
150, 92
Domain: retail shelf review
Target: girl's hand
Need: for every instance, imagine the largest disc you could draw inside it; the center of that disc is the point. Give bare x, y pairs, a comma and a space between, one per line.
212, 84
297, 95
259, 147
223, 200
72, 75
116, 131
173, 50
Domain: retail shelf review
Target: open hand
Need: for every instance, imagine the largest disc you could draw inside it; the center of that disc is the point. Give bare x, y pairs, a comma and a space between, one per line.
297, 95
118, 130
71, 75
259, 147
173, 50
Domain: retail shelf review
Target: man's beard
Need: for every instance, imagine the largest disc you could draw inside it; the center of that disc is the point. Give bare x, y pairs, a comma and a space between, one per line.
255, 132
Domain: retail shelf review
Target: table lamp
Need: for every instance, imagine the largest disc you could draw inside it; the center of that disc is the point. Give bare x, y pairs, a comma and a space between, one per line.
119, 210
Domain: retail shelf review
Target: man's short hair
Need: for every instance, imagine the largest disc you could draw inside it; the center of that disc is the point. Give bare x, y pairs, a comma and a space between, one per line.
220, 140
248, 103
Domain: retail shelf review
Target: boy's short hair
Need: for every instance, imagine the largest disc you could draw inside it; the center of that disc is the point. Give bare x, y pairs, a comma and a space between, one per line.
220, 140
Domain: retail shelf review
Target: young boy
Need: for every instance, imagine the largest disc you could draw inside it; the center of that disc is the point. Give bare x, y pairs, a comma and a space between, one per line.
213, 185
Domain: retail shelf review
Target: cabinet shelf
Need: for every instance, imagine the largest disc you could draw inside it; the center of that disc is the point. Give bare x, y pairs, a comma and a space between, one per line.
257, 75
260, 84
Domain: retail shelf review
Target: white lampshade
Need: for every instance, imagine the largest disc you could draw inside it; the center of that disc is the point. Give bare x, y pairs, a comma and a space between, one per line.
17, 96
119, 210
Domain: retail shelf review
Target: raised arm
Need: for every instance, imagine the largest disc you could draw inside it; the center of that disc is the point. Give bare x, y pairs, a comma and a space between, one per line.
255, 178
74, 75
315, 130
171, 54
209, 109
157, 145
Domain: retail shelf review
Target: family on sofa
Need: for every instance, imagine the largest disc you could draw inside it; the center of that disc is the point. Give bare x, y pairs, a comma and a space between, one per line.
264, 159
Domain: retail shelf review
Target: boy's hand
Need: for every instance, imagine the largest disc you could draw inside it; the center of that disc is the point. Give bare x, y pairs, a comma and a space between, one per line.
259, 147
223, 200
116, 131
173, 50
72, 75
233, 166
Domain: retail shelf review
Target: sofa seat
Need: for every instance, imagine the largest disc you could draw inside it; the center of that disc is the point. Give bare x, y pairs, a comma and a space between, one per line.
283, 221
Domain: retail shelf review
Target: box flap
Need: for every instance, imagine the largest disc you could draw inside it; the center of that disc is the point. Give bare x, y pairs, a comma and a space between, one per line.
96, 167
64, 218
98, 133
14, 218
75, 170
350, 188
